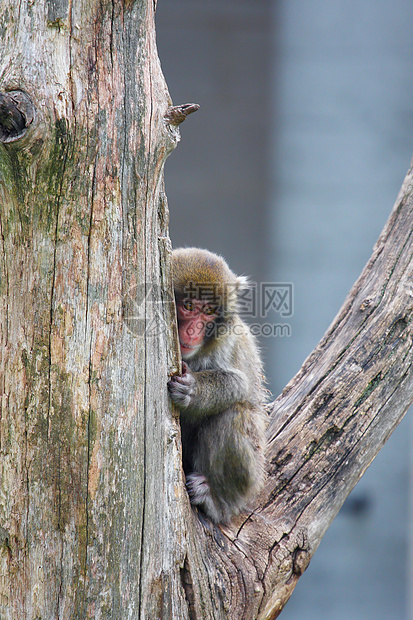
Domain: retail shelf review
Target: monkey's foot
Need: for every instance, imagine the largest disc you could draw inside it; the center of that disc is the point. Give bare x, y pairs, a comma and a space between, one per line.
198, 488
199, 493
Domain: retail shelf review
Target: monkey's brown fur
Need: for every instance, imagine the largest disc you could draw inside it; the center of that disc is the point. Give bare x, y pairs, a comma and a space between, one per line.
220, 394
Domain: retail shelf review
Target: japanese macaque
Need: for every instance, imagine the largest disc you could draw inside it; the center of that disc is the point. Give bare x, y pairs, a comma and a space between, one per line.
220, 393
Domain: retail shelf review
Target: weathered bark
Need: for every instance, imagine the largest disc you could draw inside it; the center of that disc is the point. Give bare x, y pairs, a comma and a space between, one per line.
89, 454
94, 518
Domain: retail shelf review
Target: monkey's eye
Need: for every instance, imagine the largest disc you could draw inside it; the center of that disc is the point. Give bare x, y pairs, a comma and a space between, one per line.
189, 305
209, 310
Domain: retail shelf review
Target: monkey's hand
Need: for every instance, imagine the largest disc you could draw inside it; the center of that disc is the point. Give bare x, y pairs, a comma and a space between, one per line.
181, 387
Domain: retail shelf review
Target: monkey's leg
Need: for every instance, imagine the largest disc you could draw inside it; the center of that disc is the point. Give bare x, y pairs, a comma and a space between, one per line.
225, 465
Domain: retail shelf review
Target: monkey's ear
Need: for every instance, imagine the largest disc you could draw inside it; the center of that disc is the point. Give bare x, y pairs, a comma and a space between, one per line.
243, 284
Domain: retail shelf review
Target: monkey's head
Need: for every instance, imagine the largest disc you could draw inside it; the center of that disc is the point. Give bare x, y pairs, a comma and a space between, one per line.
206, 294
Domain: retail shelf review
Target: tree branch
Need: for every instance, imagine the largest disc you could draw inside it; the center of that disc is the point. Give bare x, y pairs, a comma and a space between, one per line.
176, 115
326, 427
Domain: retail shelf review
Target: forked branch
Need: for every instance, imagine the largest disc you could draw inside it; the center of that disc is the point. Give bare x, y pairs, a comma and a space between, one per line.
326, 427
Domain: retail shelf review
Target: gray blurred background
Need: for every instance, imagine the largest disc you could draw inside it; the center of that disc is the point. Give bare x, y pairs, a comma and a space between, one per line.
290, 170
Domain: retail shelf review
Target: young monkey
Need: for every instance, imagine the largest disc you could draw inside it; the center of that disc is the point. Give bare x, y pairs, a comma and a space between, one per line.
220, 393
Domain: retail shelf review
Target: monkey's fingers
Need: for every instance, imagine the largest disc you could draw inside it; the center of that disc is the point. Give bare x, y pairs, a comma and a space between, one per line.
173, 385
180, 394
184, 380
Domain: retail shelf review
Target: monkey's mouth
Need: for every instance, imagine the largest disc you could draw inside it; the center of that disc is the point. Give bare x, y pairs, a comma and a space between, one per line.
188, 350
188, 346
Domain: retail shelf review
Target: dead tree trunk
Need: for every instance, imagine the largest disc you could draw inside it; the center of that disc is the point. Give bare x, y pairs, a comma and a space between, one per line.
89, 460
94, 518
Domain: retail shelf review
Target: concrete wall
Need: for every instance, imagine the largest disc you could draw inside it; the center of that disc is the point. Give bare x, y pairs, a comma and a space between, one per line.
342, 141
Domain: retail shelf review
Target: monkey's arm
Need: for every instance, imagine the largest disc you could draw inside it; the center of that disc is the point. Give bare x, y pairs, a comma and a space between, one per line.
207, 392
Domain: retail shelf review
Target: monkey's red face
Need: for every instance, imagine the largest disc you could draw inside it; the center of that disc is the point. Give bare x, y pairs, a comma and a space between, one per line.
193, 317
